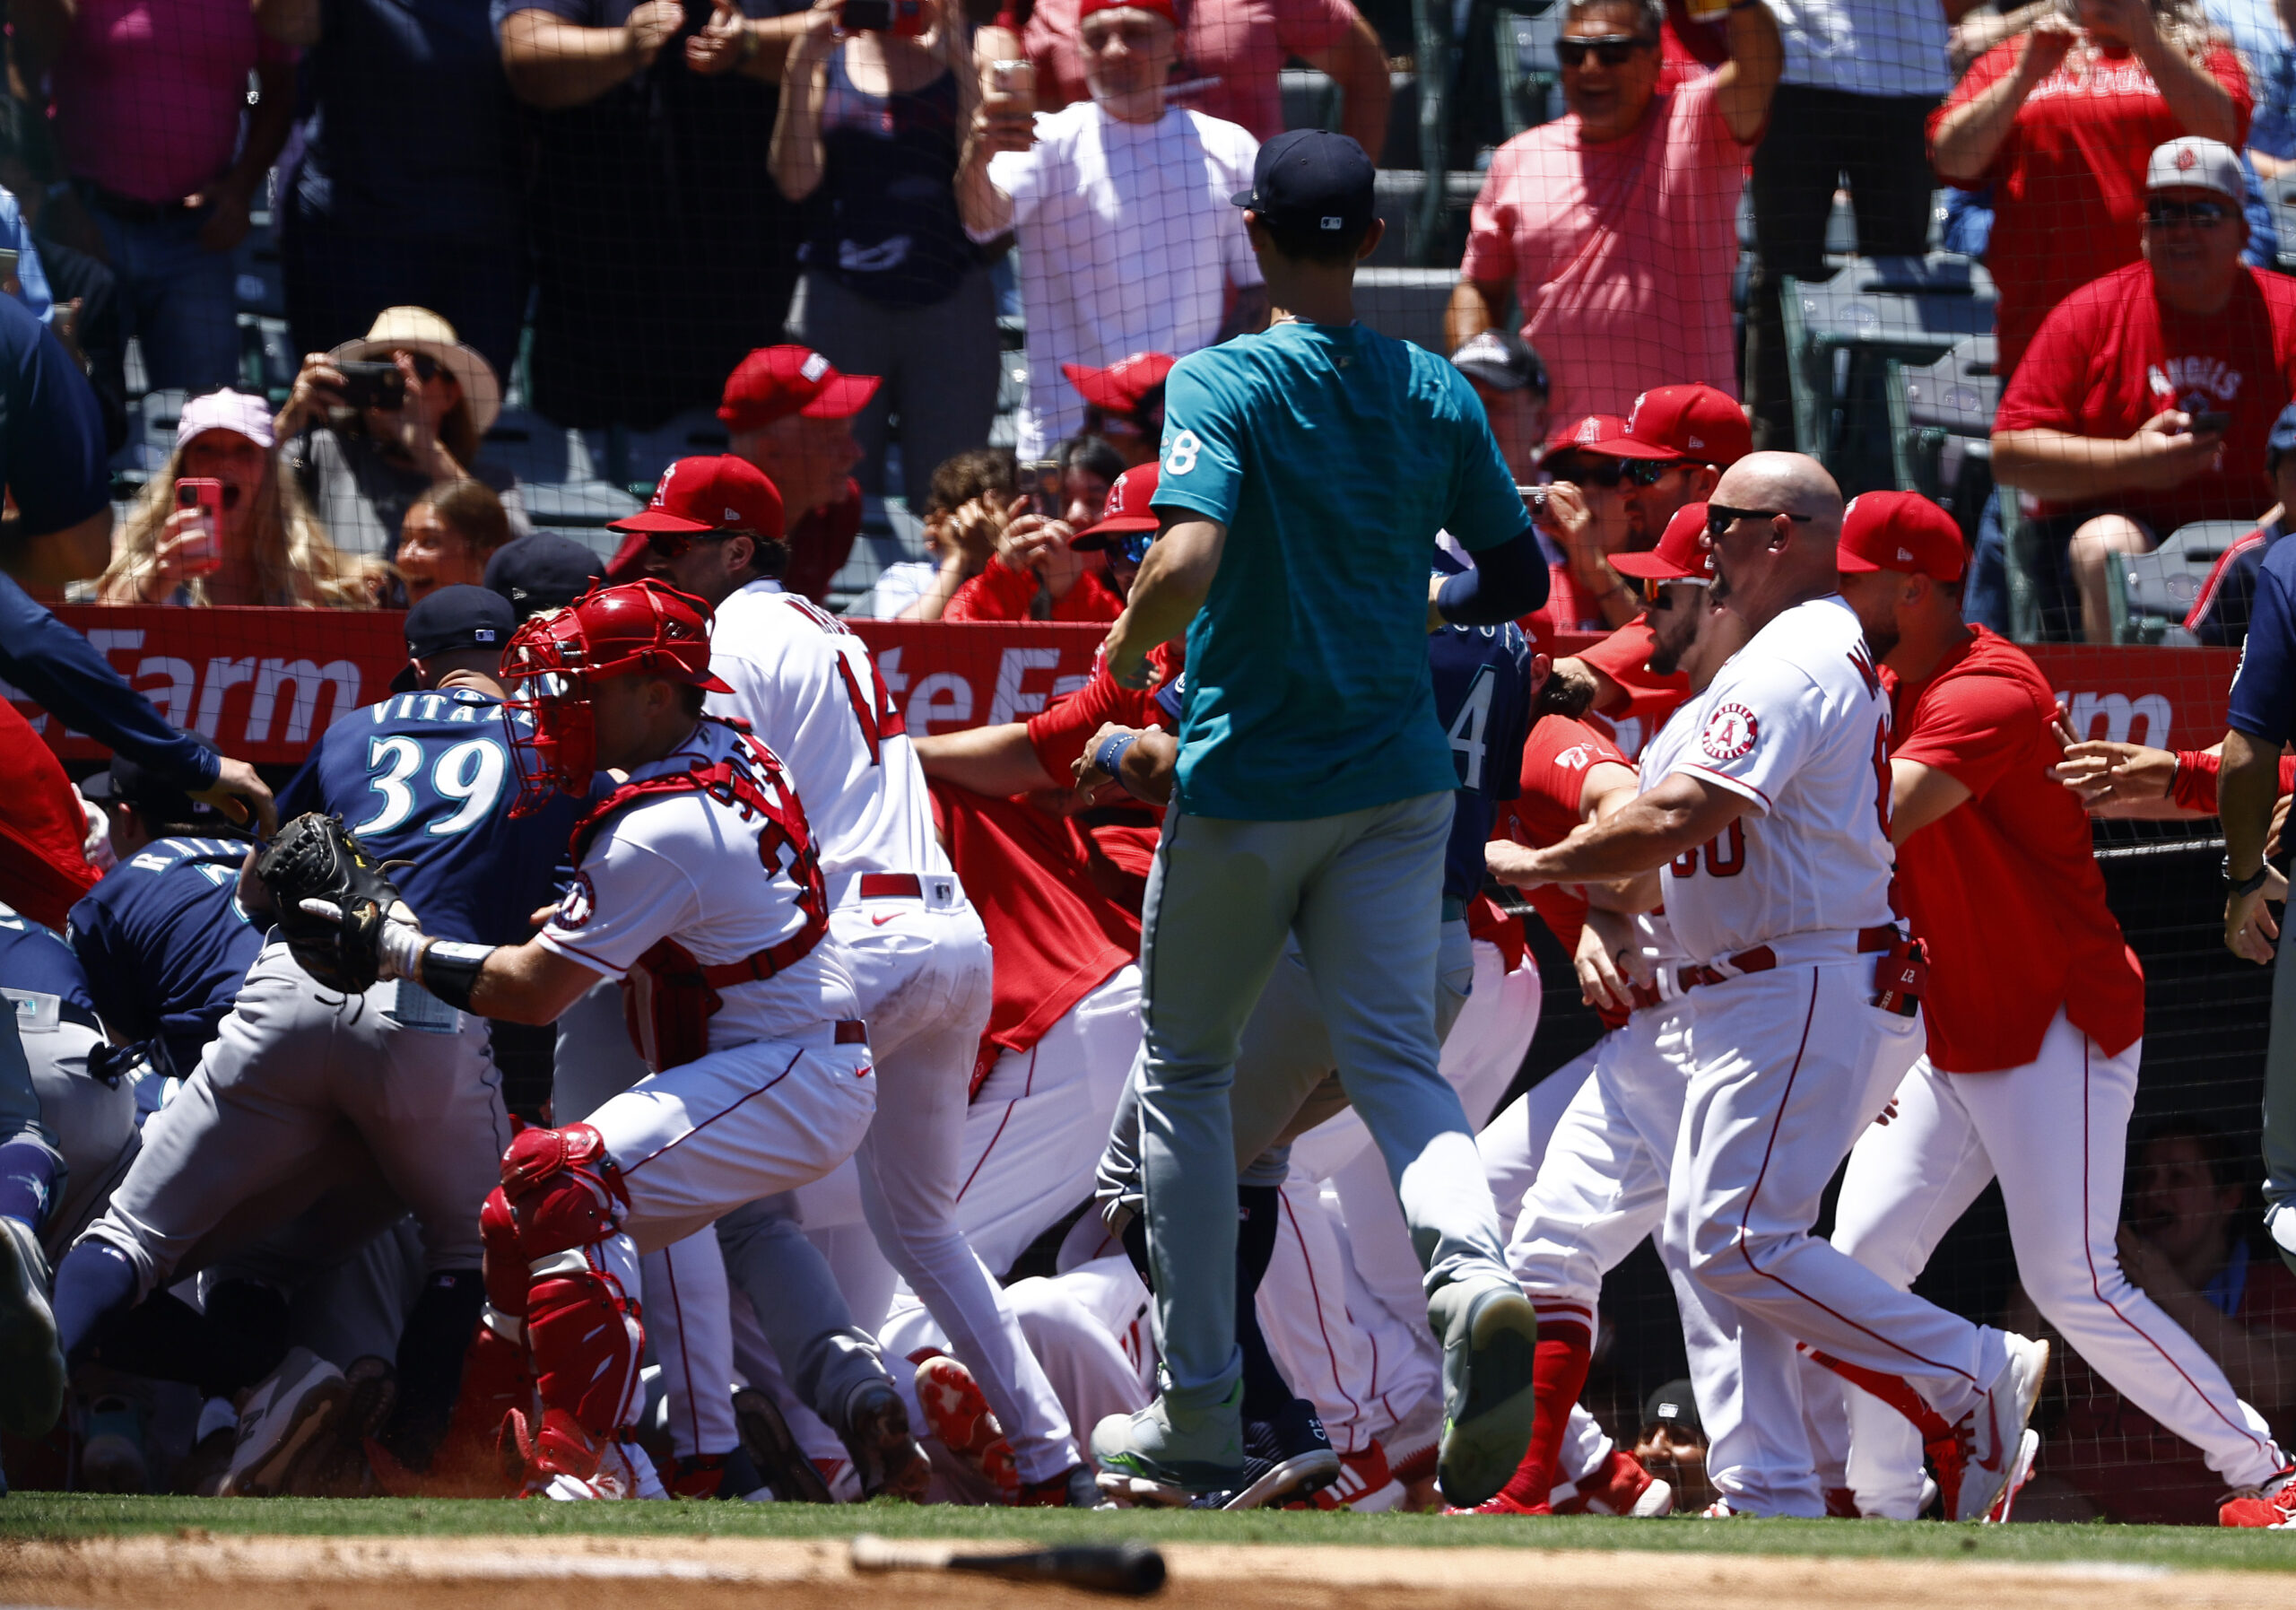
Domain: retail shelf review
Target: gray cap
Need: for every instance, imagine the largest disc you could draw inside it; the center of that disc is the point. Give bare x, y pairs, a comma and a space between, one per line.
1502, 361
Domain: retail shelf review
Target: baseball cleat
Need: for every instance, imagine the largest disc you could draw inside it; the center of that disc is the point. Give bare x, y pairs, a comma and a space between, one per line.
1366, 1484
1073, 1489
1976, 1462
1722, 1509
885, 1454
957, 1413
1620, 1485
772, 1447
1490, 1335
2020, 1473
287, 1428
1159, 1456
2272, 1505
112, 1459
340, 1470
31, 1363
1285, 1460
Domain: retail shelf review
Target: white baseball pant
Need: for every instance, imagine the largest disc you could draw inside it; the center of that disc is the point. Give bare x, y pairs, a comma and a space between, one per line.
93, 1125
2055, 1131
1787, 1067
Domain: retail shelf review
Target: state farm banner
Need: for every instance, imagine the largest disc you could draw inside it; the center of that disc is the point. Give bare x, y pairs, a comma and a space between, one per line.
265, 682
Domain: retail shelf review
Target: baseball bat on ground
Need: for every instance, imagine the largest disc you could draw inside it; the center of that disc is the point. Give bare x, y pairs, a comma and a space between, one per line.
1135, 1570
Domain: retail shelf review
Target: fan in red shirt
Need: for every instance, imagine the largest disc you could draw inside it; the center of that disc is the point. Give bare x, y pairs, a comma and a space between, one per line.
2035, 1009
2148, 397
2056, 120
1048, 567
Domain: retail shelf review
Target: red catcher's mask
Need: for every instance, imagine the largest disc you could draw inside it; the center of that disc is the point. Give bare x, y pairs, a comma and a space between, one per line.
644, 628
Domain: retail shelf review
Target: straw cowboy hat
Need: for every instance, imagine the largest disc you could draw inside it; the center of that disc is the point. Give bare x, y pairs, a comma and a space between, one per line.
420, 330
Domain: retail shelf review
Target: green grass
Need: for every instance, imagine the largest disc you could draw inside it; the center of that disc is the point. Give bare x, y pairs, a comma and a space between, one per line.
28, 1515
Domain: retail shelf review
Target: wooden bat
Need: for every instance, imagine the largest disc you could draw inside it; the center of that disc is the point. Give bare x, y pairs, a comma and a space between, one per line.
1132, 1569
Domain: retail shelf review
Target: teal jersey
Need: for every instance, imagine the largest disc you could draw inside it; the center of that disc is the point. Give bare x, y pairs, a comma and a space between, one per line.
1333, 454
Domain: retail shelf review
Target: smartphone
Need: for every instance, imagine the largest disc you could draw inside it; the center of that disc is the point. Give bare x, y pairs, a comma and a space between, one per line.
1534, 499
902, 17
2210, 422
1011, 86
373, 386
203, 555
1040, 479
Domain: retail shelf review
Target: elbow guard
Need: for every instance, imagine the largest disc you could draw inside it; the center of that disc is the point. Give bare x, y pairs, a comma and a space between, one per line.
450, 970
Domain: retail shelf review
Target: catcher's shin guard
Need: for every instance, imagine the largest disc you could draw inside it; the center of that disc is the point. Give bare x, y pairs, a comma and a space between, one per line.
583, 1335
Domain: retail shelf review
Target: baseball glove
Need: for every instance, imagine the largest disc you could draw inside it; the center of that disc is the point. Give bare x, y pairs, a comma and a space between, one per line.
312, 860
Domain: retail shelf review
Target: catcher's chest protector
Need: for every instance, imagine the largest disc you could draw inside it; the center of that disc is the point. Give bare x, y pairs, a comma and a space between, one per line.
668, 997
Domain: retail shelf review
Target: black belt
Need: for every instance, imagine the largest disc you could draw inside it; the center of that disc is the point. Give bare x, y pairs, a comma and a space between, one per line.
129, 209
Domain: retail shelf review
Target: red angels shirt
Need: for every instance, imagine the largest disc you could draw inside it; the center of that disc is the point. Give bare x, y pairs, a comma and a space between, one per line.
2069, 181
2005, 890
1624, 656
1000, 593
42, 871
1556, 760
2113, 355
1126, 833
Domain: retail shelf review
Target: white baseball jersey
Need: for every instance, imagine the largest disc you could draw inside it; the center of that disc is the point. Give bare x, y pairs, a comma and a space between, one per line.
685, 866
1797, 723
808, 687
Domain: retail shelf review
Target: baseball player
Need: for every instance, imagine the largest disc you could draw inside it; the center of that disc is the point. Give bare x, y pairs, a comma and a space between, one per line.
2035, 1011
1313, 797
1600, 1186
1770, 834
421, 777
915, 949
697, 875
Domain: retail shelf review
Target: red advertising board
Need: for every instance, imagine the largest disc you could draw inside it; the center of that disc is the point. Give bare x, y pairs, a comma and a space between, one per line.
263, 682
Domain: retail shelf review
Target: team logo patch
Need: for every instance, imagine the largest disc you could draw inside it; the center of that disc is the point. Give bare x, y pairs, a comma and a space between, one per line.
1730, 732
580, 902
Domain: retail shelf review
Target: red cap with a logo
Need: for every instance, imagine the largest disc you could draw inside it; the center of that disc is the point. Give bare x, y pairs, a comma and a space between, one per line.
774, 382
1585, 432
1682, 554
1900, 531
1118, 388
1127, 509
721, 494
1682, 422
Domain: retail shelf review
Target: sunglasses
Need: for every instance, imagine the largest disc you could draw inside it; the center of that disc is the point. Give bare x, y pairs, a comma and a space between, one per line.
1721, 516
1132, 546
1594, 470
677, 545
1615, 51
1654, 593
426, 367
2200, 214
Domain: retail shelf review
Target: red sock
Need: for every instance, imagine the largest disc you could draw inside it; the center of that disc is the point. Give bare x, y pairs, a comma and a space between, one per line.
1557, 1375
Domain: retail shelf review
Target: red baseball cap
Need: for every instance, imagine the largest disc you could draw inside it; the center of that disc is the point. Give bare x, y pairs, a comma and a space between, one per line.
1162, 8
1900, 531
1586, 433
1127, 509
1118, 388
1682, 422
774, 382
719, 493
1682, 554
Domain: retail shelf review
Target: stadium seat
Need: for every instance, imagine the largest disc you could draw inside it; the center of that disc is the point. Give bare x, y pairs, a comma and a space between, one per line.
1406, 303
637, 458
1941, 424
1311, 98
889, 535
1841, 332
561, 489
2149, 595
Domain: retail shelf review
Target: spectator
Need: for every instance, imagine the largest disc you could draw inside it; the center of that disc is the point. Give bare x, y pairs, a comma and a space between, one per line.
272, 550
1232, 61
451, 534
972, 498
1615, 227
543, 572
1123, 404
1509, 377
661, 249
1669, 451
2260, 34
2148, 396
1129, 241
1038, 574
867, 141
363, 468
2056, 119
2180, 1242
2219, 616
147, 105
1873, 67
406, 190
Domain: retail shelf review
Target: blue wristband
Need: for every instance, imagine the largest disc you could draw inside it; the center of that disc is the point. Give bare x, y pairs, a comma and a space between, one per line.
1109, 755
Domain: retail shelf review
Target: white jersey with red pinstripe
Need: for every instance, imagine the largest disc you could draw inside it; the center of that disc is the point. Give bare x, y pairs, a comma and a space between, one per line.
1795, 723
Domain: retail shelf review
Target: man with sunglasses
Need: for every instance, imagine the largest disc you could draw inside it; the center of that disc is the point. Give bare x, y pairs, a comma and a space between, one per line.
914, 945
2147, 400
1770, 832
1614, 227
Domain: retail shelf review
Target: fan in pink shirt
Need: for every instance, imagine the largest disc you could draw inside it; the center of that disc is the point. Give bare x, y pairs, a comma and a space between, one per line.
1616, 226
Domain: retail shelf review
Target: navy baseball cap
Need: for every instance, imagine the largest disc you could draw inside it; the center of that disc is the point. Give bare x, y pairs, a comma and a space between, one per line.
2283, 438
129, 782
543, 571
454, 619
1313, 179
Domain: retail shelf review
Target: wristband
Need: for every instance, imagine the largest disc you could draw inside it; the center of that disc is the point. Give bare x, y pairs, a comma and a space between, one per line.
450, 970
2194, 784
2245, 886
1109, 756
750, 45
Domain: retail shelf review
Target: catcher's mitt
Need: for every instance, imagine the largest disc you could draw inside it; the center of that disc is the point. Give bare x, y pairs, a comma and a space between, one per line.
312, 858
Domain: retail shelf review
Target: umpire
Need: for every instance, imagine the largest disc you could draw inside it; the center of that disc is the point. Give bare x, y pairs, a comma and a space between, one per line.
1306, 473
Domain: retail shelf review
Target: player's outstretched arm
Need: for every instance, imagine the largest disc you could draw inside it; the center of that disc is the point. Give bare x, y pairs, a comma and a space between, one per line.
1681, 812
997, 760
1172, 584
1918, 796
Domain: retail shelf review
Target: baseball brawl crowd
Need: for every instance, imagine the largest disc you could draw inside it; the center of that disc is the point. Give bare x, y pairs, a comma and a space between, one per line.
624, 1062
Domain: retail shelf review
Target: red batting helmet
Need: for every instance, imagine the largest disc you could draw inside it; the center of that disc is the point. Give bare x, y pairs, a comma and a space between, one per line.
640, 629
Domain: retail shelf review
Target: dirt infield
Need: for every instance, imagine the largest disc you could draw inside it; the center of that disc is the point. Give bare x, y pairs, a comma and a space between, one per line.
195, 1571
